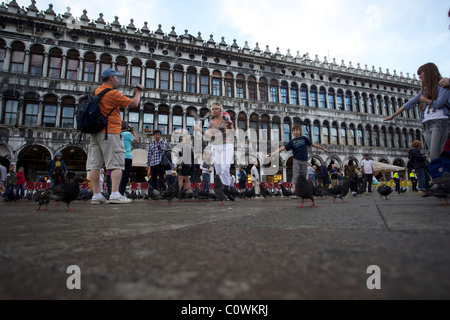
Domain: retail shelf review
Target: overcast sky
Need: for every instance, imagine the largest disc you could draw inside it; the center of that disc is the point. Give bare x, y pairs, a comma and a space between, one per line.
399, 34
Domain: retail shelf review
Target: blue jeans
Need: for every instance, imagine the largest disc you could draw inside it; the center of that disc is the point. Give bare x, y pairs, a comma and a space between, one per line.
435, 133
424, 178
205, 177
20, 189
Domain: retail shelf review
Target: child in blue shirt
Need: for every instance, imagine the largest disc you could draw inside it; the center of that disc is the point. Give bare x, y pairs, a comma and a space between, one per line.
299, 145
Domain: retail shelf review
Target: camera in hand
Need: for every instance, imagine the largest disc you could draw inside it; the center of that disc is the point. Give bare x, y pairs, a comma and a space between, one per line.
139, 88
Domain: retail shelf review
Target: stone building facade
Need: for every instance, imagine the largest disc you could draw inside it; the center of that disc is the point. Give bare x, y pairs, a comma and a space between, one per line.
50, 62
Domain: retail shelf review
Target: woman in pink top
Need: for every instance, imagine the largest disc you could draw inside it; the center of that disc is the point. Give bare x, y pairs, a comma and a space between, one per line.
20, 186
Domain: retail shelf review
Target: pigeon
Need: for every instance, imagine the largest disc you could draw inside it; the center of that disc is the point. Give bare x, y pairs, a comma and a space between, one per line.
263, 192
29, 195
41, 198
133, 195
200, 195
304, 190
170, 193
286, 193
250, 193
440, 187
384, 191
402, 190
67, 192
339, 191
153, 194
219, 189
319, 191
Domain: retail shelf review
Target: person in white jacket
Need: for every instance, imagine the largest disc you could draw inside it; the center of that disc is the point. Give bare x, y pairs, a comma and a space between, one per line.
255, 177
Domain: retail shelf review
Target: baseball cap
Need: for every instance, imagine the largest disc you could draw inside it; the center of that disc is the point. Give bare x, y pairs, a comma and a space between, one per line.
110, 73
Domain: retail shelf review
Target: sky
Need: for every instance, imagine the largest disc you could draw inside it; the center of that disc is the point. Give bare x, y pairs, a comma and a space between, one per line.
397, 35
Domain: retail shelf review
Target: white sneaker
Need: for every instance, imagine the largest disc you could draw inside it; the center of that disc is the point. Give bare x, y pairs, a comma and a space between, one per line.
119, 200
98, 200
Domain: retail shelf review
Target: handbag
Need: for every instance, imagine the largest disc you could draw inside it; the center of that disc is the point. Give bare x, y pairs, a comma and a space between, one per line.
166, 161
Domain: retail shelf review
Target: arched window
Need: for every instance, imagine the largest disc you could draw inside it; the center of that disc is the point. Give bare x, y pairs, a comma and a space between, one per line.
334, 134
322, 98
178, 73
380, 105
287, 129
163, 119
263, 89
331, 99
352, 135
398, 135
252, 93
406, 143
204, 81
17, 57
177, 119
294, 93
390, 138
326, 132
303, 95
105, 63
55, 63
2, 53
217, 83
340, 100
376, 136
36, 59
343, 134
360, 136
229, 85
313, 95
356, 102
265, 128
383, 137
371, 104
149, 117
316, 132
348, 101
190, 122
136, 70
284, 90
122, 67
10, 112
89, 67
73, 63
364, 105
254, 127
150, 74
368, 136
387, 106
275, 133
192, 80
274, 91
393, 105
240, 87
67, 112
307, 129
133, 119
203, 112
400, 104
411, 136
164, 76
242, 121
50, 109
31, 109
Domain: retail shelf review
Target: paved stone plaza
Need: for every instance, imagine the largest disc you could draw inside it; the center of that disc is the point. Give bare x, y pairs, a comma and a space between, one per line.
244, 250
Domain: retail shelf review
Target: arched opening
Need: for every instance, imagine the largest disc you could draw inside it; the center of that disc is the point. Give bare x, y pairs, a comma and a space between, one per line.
34, 159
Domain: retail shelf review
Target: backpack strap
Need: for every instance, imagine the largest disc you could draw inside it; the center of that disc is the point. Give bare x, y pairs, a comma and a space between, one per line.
100, 96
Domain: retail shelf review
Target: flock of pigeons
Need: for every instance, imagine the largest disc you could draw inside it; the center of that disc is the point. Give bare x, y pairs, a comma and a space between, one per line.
304, 190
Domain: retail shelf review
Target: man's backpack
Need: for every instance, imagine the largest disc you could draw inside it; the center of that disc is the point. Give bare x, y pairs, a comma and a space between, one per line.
89, 117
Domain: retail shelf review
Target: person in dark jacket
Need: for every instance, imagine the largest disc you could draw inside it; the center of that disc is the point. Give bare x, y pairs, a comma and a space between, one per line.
324, 175
57, 162
420, 165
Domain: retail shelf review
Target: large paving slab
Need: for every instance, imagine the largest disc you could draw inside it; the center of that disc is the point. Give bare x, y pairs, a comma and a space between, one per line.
245, 250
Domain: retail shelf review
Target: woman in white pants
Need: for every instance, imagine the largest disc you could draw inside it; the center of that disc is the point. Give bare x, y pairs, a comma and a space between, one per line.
221, 132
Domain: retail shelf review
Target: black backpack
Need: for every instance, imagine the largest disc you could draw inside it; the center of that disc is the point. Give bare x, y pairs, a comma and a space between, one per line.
89, 117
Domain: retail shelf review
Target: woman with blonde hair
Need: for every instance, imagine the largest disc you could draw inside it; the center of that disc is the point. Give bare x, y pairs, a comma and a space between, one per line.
434, 111
419, 163
222, 150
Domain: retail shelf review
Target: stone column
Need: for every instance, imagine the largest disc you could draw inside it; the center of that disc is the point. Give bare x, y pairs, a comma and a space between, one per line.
58, 114
45, 67
7, 60
157, 78
20, 109
26, 64
62, 73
